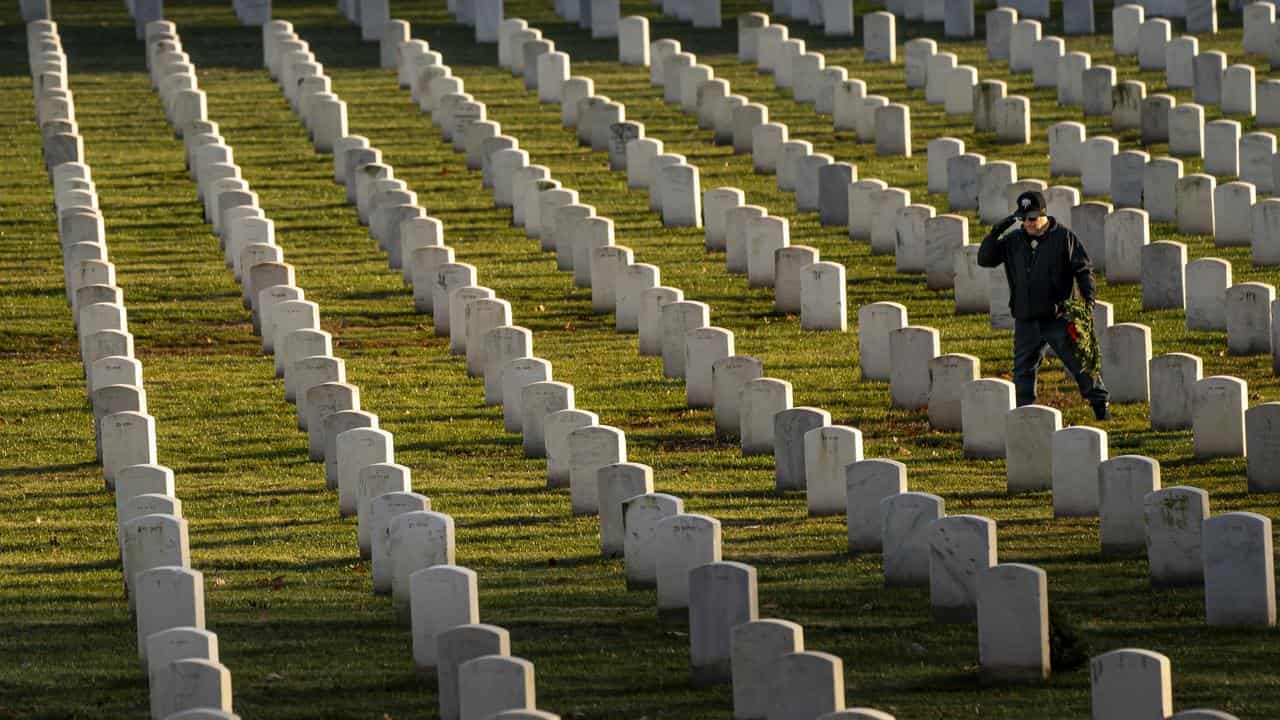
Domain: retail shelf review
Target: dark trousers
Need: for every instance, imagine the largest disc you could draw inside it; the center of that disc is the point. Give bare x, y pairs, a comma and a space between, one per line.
1030, 338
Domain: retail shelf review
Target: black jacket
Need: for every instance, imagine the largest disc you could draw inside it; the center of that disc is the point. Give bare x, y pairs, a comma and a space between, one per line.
1040, 279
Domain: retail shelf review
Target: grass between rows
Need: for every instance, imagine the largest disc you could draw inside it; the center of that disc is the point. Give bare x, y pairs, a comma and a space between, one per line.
285, 590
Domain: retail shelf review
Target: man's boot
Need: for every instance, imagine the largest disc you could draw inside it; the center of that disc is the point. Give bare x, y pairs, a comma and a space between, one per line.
1102, 410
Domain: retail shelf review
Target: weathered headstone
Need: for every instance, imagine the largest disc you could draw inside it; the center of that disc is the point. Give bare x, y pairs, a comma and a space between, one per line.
961, 547
1249, 318
1174, 518
1195, 193
1096, 85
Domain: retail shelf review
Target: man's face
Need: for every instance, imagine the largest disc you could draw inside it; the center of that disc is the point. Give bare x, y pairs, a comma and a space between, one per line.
1035, 226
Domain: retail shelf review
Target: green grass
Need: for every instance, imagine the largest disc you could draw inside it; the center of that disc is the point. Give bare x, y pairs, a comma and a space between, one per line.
285, 590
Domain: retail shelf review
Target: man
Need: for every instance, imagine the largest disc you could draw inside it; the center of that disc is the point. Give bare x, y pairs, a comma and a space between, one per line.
1043, 260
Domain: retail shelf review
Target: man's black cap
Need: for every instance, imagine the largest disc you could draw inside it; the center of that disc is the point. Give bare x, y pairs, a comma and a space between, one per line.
1030, 205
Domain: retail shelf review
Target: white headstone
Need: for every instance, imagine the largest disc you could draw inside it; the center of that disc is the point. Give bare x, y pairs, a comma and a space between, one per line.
1239, 570
1249, 318
1077, 452
762, 399
681, 543
948, 376
807, 684
1217, 416
906, 521
828, 451
984, 404
790, 426
755, 649
876, 321
910, 350
961, 547
418, 539
1130, 683
441, 598
1013, 623
722, 596
1173, 375
641, 516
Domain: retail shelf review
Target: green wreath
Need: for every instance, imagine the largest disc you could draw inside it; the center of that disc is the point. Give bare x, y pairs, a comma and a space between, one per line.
1080, 331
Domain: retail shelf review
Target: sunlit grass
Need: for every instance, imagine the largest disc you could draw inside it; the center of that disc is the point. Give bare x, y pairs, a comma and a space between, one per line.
285, 589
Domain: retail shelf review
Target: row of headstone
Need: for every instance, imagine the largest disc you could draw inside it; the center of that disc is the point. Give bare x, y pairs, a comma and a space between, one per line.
828, 89
819, 438
956, 17
1045, 643
822, 438
166, 595
410, 545
837, 18
1122, 235
823, 449
956, 557
1093, 160
308, 89
664, 547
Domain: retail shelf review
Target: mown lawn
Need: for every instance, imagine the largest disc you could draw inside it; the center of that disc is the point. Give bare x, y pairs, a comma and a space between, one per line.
285, 589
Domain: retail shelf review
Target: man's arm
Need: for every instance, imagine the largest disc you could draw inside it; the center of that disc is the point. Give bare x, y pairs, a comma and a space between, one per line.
991, 251
1082, 269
